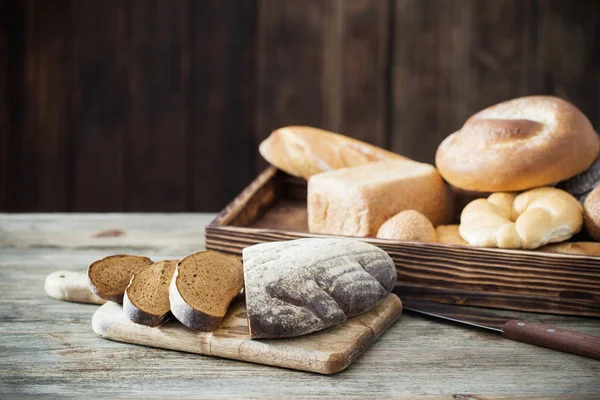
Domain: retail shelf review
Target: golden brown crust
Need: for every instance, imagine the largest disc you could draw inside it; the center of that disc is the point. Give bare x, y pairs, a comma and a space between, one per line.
448, 234
527, 221
357, 201
517, 145
408, 225
591, 214
304, 151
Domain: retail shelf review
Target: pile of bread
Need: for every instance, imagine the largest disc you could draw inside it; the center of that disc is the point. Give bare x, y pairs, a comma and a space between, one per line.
291, 288
529, 167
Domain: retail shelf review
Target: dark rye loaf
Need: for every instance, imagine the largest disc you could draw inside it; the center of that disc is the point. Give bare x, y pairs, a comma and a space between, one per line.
297, 287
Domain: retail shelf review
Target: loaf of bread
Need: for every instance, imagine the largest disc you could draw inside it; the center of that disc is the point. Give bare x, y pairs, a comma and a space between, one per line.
109, 277
304, 151
591, 214
527, 221
297, 287
202, 287
146, 299
357, 201
408, 225
518, 145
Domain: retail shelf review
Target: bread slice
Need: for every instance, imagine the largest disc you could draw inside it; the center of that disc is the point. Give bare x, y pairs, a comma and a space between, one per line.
202, 287
109, 277
146, 299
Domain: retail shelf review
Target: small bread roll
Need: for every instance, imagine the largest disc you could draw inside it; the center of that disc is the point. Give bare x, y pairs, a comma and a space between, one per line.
591, 214
448, 234
408, 225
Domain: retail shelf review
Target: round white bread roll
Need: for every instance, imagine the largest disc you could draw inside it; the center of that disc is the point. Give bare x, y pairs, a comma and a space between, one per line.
527, 221
591, 214
518, 145
408, 225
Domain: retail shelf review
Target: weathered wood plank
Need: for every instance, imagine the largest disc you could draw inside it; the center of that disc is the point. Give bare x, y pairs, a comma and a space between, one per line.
113, 231
568, 54
48, 347
103, 101
364, 70
159, 88
221, 147
291, 82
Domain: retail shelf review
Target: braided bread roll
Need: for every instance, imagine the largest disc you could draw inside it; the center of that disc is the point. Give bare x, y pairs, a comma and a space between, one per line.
517, 145
304, 151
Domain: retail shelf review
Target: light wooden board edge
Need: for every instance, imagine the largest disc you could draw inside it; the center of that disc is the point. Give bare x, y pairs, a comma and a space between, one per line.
110, 323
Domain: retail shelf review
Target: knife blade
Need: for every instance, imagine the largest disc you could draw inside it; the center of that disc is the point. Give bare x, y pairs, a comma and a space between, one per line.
514, 329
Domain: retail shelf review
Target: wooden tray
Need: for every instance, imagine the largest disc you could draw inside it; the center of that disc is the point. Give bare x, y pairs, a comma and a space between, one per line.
326, 352
273, 208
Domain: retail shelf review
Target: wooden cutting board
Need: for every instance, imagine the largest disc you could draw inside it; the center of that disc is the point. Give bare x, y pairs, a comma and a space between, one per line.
325, 352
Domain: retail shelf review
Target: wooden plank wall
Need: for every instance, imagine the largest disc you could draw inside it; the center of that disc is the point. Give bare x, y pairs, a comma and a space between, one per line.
151, 105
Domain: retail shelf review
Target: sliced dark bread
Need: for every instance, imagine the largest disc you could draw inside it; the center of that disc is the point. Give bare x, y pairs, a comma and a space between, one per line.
146, 299
109, 277
202, 287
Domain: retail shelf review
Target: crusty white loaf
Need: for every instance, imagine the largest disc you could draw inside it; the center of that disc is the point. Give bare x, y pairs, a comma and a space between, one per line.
304, 151
357, 201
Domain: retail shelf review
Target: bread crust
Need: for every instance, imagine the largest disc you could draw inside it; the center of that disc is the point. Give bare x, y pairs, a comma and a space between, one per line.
591, 214
141, 317
304, 151
117, 298
518, 145
357, 201
408, 225
136, 314
527, 221
188, 315
301, 286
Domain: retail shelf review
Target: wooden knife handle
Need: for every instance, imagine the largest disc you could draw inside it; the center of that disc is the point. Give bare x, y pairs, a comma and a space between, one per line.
553, 338
70, 286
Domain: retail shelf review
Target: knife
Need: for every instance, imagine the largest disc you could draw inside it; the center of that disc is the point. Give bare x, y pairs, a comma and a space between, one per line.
513, 329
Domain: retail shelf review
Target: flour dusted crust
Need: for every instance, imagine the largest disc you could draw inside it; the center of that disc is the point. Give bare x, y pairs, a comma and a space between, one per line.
518, 145
357, 201
297, 287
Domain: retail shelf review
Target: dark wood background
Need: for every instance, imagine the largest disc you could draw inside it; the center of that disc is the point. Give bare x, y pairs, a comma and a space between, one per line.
157, 105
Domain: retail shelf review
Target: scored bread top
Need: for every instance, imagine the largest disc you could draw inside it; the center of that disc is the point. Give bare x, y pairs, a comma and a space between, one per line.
207, 281
149, 288
110, 276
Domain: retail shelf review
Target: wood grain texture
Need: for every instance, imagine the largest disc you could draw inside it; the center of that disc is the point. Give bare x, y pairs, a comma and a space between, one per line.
141, 100
512, 279
221, 149
48, 348
324, 352
103, 71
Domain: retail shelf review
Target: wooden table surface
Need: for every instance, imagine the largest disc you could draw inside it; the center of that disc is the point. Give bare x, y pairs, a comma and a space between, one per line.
47, 347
